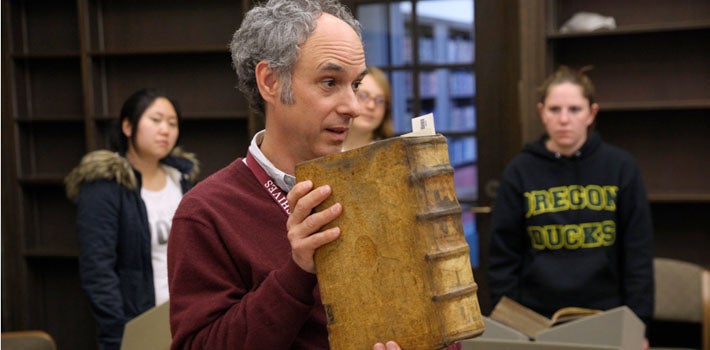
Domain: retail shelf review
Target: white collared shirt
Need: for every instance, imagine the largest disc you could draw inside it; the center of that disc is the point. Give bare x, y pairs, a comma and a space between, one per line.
283, 180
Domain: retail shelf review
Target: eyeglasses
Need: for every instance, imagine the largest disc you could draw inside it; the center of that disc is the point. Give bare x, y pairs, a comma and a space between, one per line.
364, 98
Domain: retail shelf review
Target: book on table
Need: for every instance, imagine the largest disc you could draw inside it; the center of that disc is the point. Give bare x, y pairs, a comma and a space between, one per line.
531, 323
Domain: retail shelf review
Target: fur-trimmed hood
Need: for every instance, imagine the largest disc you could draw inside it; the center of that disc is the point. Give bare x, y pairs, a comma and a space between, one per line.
108, 165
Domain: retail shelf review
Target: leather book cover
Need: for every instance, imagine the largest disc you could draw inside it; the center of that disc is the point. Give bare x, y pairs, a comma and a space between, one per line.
400, 269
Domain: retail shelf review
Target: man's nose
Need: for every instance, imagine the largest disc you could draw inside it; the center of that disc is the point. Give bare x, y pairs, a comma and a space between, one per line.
352, 105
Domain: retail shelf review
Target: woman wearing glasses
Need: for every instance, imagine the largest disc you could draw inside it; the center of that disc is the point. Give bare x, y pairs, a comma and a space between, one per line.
375, 120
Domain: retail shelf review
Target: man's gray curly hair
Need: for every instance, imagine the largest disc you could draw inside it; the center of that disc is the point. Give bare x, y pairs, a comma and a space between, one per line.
273, 32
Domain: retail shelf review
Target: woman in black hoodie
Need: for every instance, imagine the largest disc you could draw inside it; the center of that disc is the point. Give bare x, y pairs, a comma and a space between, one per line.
571, 224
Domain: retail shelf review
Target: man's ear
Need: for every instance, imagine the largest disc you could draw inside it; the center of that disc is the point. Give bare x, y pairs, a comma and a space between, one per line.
267, 81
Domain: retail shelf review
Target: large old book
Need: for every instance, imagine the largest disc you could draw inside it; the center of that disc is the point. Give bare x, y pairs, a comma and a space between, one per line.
531, 323
400, 269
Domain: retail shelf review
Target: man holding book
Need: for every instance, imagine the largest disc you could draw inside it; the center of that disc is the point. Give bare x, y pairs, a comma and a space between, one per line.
241, 250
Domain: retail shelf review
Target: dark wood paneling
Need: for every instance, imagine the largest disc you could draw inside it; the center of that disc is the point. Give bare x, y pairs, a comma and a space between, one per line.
44, 27
127, 26
499, 124
677, 71
57, 305
48, 89
12, 308
665, 151
49, 148
49, 218
681, 231
228, 139
203, 84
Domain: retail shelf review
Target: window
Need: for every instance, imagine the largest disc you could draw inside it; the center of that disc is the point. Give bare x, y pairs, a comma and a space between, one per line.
427, 48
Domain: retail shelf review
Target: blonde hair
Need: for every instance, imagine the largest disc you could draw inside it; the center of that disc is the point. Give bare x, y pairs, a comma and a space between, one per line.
386, 128
565, 74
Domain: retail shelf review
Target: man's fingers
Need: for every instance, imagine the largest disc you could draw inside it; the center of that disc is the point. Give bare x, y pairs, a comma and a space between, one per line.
313, 223
297, 192
303, 200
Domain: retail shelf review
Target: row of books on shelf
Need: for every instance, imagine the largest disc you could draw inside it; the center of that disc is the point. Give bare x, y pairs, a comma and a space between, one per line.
458, 50
461, 118
468, 221
466, 183
466, 179
461, 83
462, 150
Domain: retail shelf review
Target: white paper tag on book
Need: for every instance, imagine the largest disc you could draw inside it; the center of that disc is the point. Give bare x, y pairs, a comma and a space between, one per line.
422, 126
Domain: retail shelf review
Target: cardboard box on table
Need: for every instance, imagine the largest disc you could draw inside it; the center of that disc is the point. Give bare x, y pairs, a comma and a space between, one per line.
615, 329
149, 330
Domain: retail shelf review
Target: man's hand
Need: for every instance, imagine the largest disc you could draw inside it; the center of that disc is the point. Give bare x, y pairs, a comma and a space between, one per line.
389, 346
303, 225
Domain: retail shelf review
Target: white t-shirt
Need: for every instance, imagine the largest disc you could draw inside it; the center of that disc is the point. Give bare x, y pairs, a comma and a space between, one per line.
161, 206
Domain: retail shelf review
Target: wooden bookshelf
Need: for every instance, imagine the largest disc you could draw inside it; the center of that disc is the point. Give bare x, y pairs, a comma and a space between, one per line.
68, 66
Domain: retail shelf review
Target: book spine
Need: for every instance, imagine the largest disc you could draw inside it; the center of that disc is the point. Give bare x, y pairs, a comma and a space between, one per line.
452, 285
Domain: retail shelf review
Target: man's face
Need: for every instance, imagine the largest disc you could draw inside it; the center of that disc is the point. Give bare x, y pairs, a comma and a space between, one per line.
324, 83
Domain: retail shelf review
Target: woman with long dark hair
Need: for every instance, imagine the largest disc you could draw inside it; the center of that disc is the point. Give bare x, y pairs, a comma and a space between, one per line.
126, 198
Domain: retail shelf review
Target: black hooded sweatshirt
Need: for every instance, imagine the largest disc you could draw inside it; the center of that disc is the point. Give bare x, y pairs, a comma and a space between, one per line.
573, 231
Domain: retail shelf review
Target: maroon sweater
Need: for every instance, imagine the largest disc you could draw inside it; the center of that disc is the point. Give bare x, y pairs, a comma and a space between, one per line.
233, 284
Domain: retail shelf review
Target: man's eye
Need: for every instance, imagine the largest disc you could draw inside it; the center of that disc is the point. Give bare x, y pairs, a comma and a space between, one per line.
329, 83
